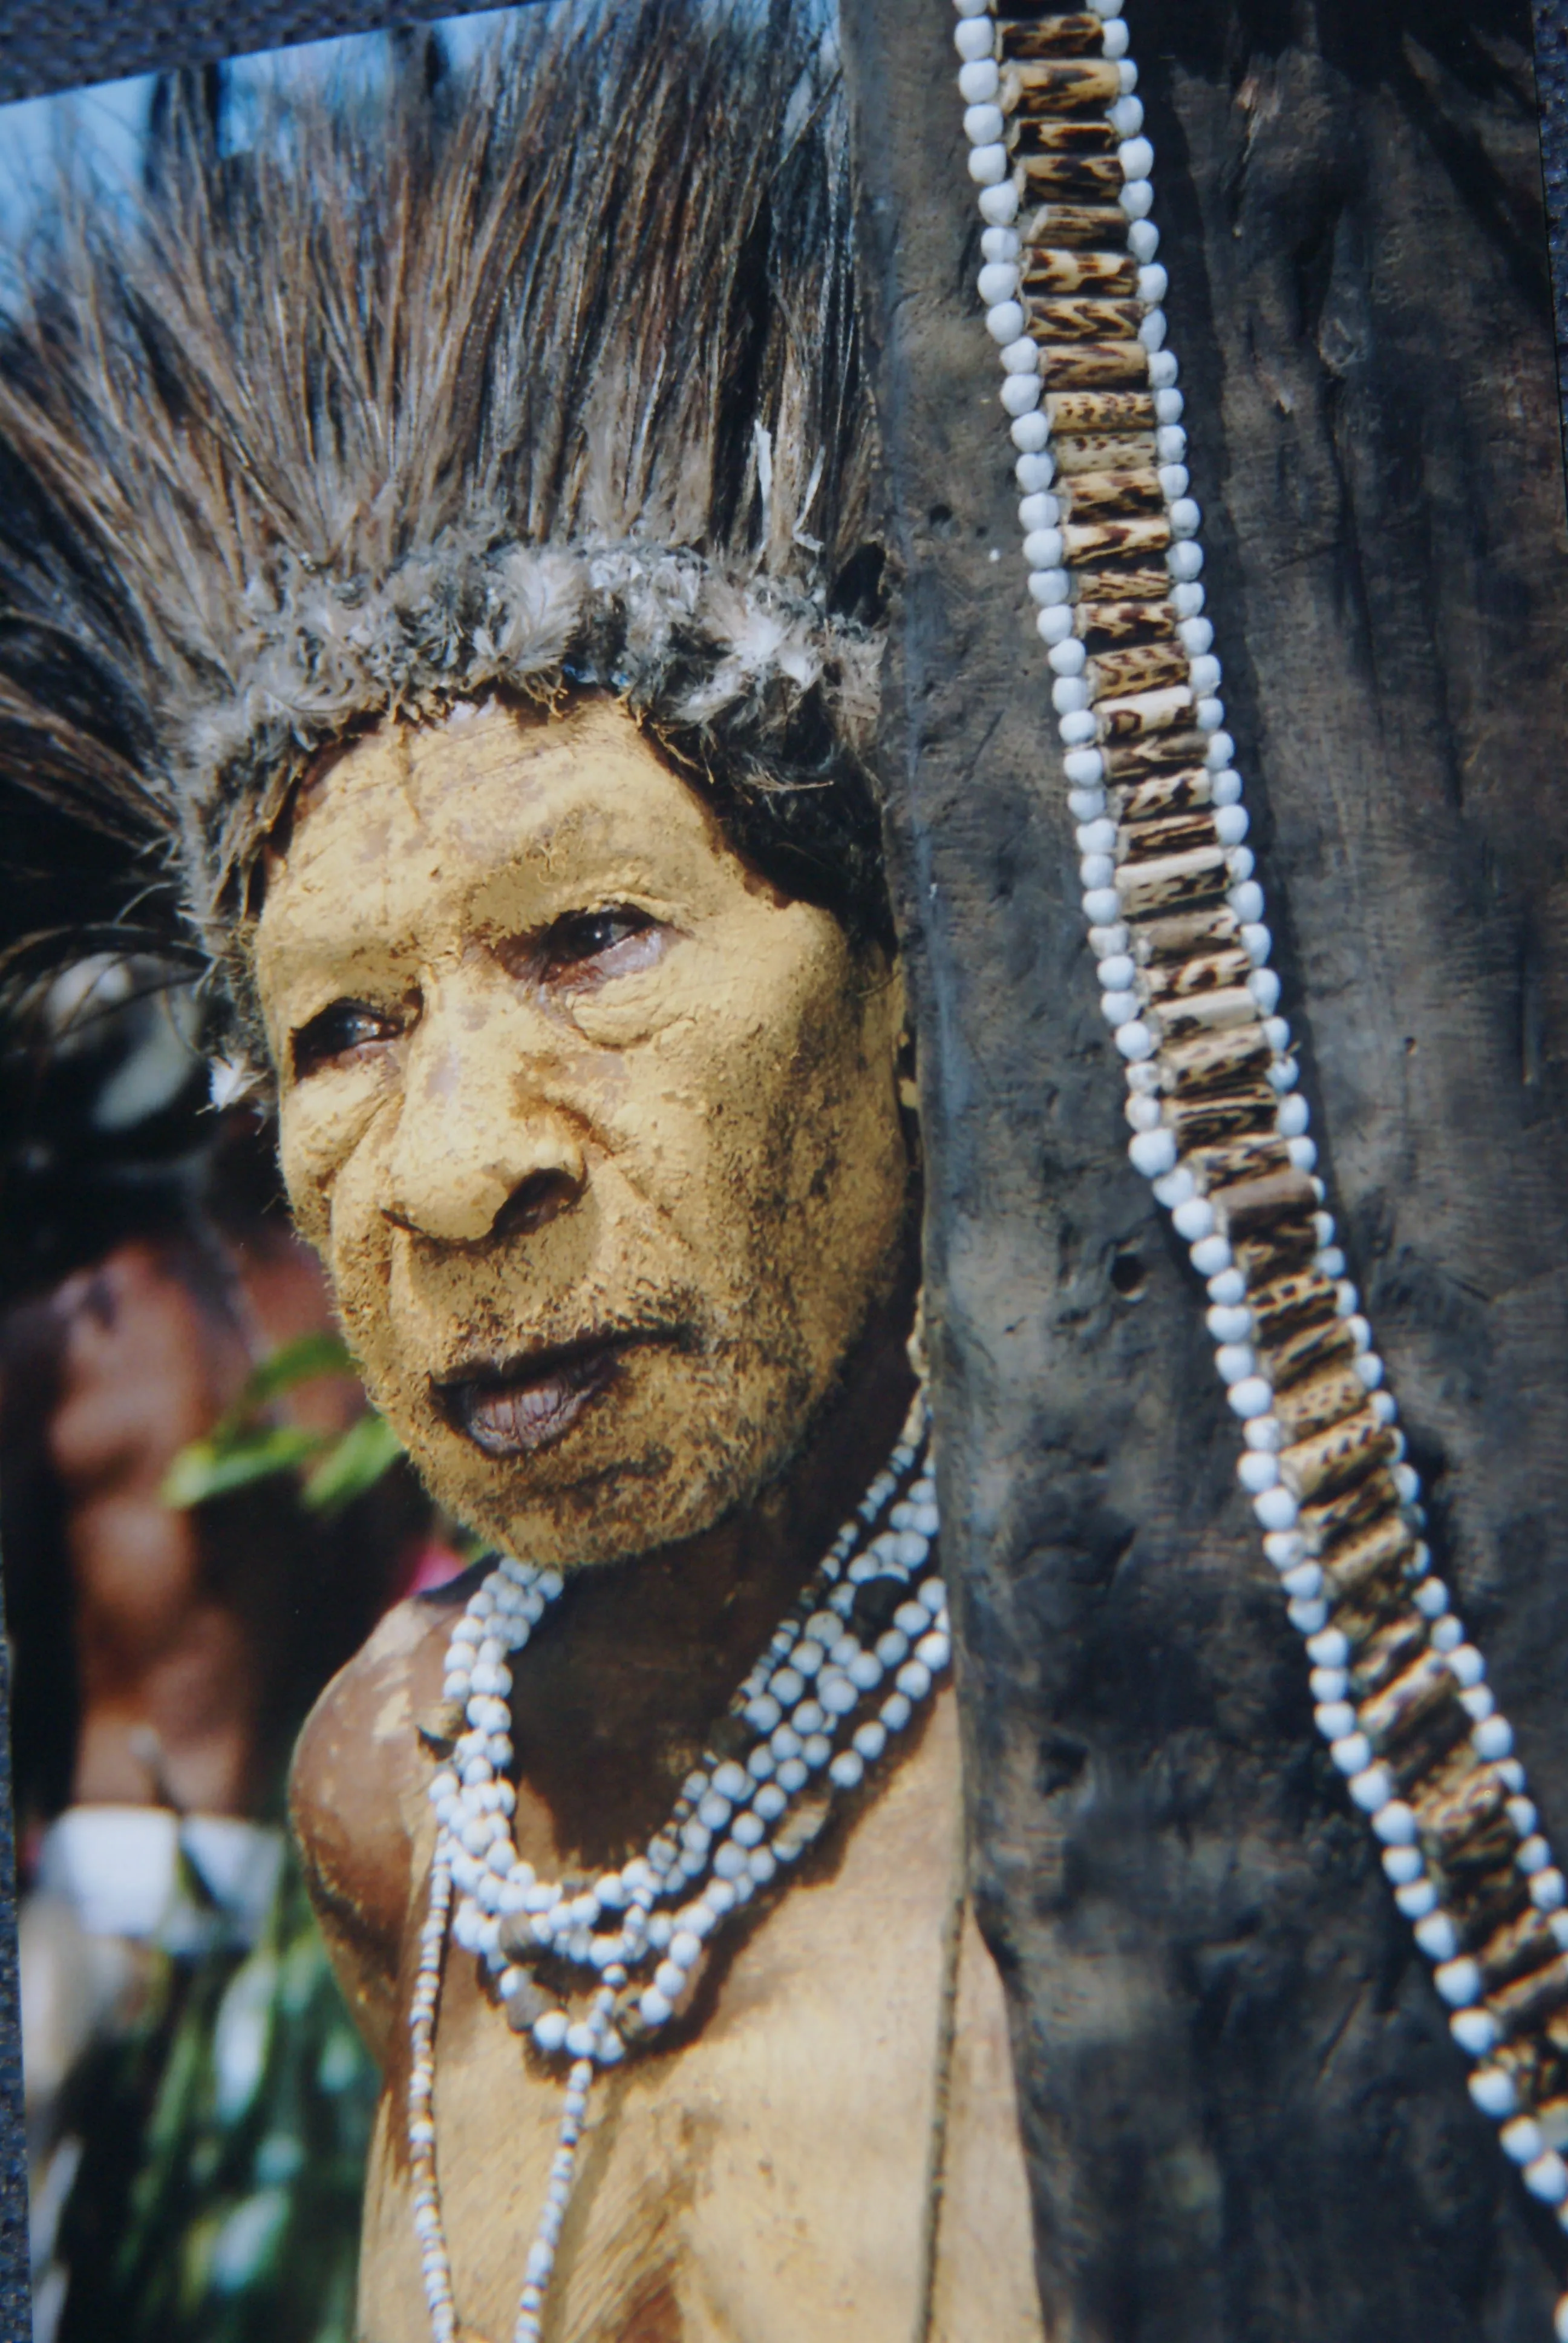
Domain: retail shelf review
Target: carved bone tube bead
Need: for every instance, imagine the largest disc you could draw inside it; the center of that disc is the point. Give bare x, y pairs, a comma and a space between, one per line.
1078, 36
1366, 1500
1043, 132
1112, 626
1097, 540
1254, 1204
1087, 177
1072, 412
1289, 1244
1458, 1809
1388, 1654
1174, 833
1179, 1015
1291, 1305
1215, 972
1178, 882
1167, 793
1442, 1725
1053, 269
1184, 936
1243, 1159
1092, 227
1482, 1896
1068, 319
1162, 753
1102, 451
1149, 667
1390, 1715
1141, 712
1112, 495
1307, 1349
1519, 1949
1068, 83
1374, 1560
1537, 2064
1214, 1061
1306, 1409
1332, 1459
1525, 2005
1206, 1120
1089, 366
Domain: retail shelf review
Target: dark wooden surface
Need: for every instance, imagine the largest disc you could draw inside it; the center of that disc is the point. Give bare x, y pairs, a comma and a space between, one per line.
1245, 2116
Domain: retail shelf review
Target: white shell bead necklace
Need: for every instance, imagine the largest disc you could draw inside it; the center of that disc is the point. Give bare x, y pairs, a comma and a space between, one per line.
814, 1713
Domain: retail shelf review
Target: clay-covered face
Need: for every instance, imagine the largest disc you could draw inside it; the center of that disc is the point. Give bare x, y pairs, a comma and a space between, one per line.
598, 1134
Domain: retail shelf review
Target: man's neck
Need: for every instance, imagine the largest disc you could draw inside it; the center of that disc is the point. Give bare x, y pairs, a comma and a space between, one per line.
617, 1699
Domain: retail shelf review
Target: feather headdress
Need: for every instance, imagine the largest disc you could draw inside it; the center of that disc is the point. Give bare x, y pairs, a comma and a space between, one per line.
546, 378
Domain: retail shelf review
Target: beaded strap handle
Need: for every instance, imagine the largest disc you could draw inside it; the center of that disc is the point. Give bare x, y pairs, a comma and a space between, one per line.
1073, 292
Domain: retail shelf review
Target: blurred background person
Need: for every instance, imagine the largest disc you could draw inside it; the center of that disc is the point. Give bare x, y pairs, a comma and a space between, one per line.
199, 1523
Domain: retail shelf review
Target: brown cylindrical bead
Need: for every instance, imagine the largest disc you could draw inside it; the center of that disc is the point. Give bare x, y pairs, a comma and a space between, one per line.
1526, 2005
1307, 1349
1334, 1459
1180, 1015
1094, 226
1518, 1950
1084, 178
1289, 1244
1099, 540
1538, 2065
1244, 1159
1484, 1896
1214, 1060
1109, 495
1041, 131
1108, 626
1391, 1713
1459, 1809
1065, 317
1366, 1500
1205, 1121
1382, 1552
1306, 1409
1102, 451
1387, 1655
1251, 1205
1291, 1305
1171, 833
1088, 366
1148, 666
1071, 83
1160, 752
1072, 412
1078, 36
1067, 271
1165, 794
1142, 712
1185, 936
1428, 1739
1178, 881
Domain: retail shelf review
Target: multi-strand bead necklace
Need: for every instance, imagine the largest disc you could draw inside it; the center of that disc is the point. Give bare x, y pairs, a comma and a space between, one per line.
590, 1968
1073, 292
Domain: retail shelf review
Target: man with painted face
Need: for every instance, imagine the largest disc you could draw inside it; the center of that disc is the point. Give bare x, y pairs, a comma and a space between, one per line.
502, 665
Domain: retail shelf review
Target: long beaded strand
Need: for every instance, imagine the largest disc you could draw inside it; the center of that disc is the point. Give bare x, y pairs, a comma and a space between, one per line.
1175, 915
815, 1704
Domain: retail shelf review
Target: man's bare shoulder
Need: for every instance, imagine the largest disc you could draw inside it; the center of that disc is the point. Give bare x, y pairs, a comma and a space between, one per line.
357, 1793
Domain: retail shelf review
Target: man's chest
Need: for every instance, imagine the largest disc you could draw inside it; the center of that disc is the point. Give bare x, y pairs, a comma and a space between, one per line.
775, 2176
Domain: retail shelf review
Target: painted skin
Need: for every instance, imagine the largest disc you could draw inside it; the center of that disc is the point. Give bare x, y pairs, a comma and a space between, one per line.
604, 1143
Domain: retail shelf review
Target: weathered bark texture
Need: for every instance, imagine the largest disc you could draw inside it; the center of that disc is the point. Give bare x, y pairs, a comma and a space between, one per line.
1245, 2116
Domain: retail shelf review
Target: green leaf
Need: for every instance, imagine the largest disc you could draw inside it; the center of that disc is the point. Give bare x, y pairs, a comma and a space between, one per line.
289, 1364
212, 1467
353, 1465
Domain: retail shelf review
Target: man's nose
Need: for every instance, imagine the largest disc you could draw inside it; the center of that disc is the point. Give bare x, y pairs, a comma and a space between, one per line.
480, 1152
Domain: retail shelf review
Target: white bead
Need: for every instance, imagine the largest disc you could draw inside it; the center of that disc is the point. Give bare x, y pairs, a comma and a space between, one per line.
1019, 393
1067, 657
870, 1739
1475, 2031
847, 1769
1520, 2141
1135, 1041
1417, 1899
1548, 1891
978, 80
1437, 1937
1257, 1473
1125, 116
1136, 156
1402, 1864
1493, 2093
1137, 200
655, 2009
1252, 1396
896, 1712
1028, 433
998, 244
1152, 1152
1005, 321
1116, 37
988, 165
1547, 2178
974, 36
1459, 1982
792, 1774
817, 1749
1209, 1256
550, 2030
1194, 1219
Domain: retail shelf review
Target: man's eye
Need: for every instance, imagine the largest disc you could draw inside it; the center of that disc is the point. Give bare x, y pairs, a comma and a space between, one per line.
336, 1032
576, 943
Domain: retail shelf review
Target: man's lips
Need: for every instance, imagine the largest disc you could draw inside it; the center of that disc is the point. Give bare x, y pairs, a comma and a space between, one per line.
526, 1404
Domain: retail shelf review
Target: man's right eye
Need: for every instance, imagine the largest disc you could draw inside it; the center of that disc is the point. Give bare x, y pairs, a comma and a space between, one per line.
336, 1032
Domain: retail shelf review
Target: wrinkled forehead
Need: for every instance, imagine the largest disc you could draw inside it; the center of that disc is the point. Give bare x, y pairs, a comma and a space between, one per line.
489, 816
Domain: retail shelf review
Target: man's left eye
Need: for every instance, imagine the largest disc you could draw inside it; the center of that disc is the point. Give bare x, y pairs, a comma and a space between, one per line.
577, 942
